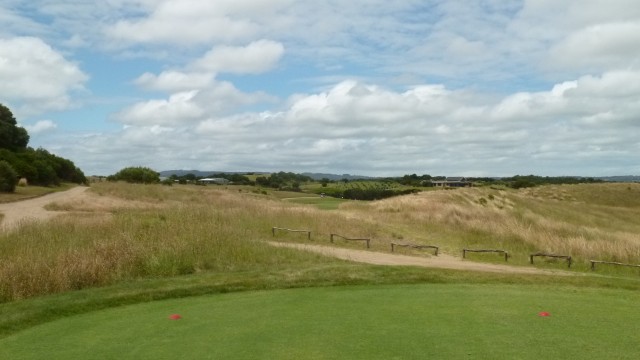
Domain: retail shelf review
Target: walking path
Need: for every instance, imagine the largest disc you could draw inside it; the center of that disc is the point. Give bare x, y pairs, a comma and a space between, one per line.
442, 261
33, 209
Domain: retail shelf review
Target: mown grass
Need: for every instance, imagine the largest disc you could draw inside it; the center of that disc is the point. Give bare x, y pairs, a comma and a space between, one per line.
19, 315
323, 203
451, 321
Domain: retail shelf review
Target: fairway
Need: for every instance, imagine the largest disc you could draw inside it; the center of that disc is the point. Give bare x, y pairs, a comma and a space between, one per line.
431, 321
323, 203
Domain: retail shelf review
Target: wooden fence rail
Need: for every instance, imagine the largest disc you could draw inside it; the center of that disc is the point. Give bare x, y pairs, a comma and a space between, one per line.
568, 257
351, 239
594, 262
273, 231
414, 246
465, 251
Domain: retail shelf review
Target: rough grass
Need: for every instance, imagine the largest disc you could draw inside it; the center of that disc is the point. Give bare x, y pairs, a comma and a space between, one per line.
586, 221
181, 230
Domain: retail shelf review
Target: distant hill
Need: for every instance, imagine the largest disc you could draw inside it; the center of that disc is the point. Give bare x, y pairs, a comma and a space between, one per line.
320, 176
198, 173
314, 176
337, 177
624, 178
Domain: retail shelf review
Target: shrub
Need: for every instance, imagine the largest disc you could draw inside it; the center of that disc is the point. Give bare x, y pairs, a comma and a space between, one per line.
139, 175
8, 177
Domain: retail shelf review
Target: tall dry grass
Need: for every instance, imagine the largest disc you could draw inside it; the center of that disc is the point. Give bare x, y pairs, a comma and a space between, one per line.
586, 221
135, 231
156, 231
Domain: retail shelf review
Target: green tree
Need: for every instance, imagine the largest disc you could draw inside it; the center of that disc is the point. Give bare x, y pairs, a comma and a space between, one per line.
39, 166
139, 174
8, 177
12, 136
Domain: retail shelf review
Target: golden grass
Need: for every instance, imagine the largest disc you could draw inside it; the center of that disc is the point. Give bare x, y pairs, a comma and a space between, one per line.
128, 231
583, 220
182, 230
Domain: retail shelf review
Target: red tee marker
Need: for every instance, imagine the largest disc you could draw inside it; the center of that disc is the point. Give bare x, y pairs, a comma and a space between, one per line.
175, 317
544, 314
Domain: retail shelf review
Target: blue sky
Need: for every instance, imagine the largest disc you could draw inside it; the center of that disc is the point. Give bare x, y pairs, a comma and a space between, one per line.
473, 88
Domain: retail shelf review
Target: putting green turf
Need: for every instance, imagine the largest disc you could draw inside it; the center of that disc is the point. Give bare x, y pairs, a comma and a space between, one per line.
430, 321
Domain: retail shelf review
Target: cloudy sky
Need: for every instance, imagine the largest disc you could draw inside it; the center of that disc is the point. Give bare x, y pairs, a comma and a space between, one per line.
368, 87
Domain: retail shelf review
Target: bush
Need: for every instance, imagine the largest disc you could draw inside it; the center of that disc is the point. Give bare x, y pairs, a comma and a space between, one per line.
139, 175
8, 177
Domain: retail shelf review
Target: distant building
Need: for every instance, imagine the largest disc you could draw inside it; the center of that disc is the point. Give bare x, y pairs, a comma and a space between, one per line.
452, 182
217, 181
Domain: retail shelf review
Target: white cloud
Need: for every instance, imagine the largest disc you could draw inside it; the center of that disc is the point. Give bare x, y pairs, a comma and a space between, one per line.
178, 109
187, 107
37, 76
192, 22
41, 126
361, 128
603, 46
618, 84
257, 57
174, 81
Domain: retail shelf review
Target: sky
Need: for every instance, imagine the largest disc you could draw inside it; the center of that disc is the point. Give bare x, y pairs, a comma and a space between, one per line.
366, 87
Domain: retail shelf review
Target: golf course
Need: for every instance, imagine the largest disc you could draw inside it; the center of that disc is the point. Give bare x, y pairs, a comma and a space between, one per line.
132, 271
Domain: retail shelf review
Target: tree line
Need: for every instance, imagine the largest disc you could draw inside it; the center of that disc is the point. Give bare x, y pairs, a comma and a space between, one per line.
37, 166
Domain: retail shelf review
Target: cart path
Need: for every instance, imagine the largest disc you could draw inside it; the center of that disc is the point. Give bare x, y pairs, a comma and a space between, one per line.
442, 261
33, 209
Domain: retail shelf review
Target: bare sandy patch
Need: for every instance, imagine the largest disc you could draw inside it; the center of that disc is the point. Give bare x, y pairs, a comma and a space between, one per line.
442, 261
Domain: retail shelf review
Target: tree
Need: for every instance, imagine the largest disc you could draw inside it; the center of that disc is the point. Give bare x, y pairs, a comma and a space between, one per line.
12, 136
140, 175
39, 166
8, 177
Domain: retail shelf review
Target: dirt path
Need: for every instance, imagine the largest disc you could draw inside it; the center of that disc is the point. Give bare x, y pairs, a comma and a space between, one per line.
33, 209
442, 261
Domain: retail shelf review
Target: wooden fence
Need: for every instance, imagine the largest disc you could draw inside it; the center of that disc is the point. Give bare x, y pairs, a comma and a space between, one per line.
568, 257
465, 251
393, 245
273, 231
351, 239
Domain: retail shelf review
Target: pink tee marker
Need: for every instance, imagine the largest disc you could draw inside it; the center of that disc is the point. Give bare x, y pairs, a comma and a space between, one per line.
544, 314
175, 317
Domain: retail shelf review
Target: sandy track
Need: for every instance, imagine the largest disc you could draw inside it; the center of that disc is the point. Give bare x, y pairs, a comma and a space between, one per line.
33, 209
442, 261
